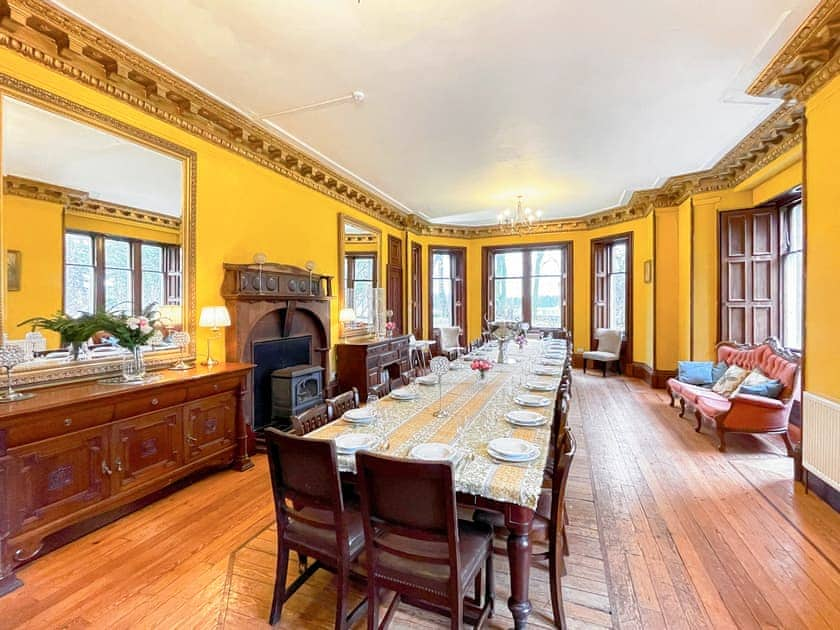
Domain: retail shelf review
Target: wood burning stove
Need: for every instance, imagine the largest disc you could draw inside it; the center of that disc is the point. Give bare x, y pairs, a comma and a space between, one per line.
295, 389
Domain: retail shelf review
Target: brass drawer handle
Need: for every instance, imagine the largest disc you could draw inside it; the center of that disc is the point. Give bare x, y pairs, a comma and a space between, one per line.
154, 402
119, 465
191, 439
68, 422
216, 387
20, 555
106, 469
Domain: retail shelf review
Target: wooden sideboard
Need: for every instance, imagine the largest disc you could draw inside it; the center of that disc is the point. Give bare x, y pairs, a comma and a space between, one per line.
78, 451
360, 362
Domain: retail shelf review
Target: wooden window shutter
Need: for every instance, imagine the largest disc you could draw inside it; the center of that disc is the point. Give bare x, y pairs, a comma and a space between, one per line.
600, 285
749, 275
172, 274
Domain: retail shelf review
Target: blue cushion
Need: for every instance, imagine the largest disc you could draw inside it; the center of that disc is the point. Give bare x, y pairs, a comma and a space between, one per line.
770, 389
695, 372
718, 370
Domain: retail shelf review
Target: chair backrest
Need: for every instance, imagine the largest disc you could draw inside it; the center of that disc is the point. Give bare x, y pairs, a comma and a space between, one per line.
609, 340
559, 480
449, 337
343, 402
381, 390
414, 500
304, 474
311, 419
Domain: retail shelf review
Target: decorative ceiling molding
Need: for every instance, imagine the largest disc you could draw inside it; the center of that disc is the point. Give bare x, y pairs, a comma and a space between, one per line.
809, 59
80, 202
47, 35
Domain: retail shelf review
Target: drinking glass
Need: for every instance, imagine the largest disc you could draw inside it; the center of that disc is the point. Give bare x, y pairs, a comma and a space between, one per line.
373, 403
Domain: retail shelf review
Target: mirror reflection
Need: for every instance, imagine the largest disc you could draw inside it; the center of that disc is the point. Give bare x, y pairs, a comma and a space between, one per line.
360, 247
91, 223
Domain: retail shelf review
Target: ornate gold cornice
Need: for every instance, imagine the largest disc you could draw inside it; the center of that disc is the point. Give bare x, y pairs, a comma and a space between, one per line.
361, 238
47, 35
80, 202
809, 59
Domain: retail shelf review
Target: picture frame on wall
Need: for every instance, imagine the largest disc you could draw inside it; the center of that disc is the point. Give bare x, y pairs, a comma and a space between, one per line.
13, 267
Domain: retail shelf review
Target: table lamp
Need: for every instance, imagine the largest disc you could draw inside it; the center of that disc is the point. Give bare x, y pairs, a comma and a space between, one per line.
213, 317
346, 316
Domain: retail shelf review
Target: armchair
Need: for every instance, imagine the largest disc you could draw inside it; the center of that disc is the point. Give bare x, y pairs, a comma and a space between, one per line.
449, 341
609, 348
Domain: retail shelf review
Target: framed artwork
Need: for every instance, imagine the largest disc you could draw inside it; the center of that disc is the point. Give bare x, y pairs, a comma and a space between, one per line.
13, 261
648, 271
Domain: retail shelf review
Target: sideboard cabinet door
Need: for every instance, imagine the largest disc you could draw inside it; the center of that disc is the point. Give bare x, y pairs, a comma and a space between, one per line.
60, 476
147, 446
209, 426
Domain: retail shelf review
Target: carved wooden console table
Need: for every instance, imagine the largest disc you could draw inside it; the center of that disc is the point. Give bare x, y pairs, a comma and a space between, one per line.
78, 451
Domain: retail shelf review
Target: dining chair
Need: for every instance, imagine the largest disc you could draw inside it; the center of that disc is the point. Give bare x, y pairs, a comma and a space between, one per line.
416, 546
609, 349
343, 402
548, 526
311, 419
312, 518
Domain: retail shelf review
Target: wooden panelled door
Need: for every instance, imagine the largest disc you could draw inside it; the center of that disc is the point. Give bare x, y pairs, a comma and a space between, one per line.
749, 275
417, 290
394, 281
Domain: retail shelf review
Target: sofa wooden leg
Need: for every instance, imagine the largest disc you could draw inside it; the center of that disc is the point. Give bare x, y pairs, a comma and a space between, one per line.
673, 400
788, 444
699, 418
682, 407
721, 432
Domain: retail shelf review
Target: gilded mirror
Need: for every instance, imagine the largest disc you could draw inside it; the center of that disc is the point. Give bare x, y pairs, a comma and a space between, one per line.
360, 259
97, 216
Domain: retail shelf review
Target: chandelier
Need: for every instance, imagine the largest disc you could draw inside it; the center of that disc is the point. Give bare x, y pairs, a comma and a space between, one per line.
519, 219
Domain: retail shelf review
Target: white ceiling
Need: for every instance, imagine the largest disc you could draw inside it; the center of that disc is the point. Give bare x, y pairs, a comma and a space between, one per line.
43, 146
574, 104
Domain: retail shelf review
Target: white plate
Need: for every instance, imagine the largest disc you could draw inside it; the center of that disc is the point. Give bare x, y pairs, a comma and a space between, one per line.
530, 400
560, 356
358, 416
352, 442
524, 418
512, 449
433, 451
536, 386
428, 379
403, 394
547, 371
554, 362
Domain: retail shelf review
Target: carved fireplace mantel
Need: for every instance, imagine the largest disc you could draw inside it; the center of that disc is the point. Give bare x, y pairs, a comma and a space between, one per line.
274, 301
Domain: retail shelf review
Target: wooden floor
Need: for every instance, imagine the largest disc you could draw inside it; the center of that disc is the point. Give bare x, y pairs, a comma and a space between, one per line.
665, 532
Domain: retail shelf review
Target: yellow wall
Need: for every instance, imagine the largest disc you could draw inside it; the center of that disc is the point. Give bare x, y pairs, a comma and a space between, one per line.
822, 218
667, 271
35, 229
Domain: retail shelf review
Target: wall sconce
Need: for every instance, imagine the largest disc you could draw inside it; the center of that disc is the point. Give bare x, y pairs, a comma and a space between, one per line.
213, 317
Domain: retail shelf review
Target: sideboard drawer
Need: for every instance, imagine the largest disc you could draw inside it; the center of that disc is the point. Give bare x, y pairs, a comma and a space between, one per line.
214, 387
146, 403
51, 424
388, 358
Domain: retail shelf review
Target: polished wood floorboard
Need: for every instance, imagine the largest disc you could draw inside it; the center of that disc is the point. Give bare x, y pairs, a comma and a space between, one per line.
665, 532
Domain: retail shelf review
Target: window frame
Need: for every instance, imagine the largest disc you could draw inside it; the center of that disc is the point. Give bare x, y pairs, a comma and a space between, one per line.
171, 296
607, 242
458, 278
488, 289
350, 259
786, 205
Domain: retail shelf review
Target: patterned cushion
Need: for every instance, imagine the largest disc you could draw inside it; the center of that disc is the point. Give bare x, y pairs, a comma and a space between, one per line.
730, 381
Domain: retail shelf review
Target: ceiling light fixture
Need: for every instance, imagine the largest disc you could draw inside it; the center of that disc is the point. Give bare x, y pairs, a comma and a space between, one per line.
519, 219
356, 96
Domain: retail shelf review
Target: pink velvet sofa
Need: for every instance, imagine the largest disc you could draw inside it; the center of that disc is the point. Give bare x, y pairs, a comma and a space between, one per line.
743, 413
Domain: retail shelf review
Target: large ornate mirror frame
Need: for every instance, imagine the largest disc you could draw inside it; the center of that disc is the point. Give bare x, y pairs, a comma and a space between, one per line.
343, 220
61, 370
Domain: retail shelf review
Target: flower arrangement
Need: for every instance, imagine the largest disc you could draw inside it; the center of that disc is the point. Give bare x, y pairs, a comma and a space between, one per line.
521, 340
131, 331
73, 330
481, 366
390, 326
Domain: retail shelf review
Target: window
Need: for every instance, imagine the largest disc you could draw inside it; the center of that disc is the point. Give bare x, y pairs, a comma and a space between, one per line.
528, 284
792, 256
448, 290
610, 285
110, 273
360, 274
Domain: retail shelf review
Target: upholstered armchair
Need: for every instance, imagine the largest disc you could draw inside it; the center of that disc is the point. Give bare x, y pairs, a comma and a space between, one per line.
609, 348
449, 341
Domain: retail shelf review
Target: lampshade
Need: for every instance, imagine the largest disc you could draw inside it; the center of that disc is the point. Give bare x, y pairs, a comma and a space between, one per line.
346, 315
170, 314
214, 317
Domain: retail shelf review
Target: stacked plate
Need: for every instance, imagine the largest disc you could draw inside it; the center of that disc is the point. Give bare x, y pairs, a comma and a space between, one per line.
350, 443
358, 416
403, 394
433, 451
522, 418
559, 356
531, 400
548, 371
427, 379
512, 450
555, 362
539, 386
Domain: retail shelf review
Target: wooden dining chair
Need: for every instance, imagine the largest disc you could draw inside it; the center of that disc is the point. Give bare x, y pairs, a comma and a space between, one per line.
312, 518
310, 419
343, 402
416, 546
548, 526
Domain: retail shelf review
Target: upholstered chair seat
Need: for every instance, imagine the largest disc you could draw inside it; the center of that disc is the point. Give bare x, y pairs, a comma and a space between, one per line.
608, 351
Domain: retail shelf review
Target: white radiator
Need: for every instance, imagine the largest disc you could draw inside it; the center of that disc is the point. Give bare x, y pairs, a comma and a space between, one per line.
821, 438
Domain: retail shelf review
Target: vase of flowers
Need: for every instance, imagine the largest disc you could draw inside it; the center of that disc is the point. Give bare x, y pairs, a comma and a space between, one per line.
131, 332
74, 331
390, 327
482, 366
521, 340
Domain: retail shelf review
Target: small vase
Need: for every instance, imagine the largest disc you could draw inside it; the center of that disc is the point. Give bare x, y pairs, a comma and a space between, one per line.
482, 375
133, 368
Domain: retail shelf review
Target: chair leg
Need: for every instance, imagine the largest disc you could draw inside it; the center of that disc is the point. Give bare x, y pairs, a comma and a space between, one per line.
555, 571
373, 606
490, 583
722, 437
604, 369
457, 620
279, 584
788, 444
341, 599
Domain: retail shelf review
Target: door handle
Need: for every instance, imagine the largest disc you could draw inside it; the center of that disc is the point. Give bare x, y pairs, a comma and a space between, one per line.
119, 465
191, 439
105, 469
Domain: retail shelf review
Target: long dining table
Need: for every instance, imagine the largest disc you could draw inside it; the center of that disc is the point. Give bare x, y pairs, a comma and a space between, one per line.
476, 411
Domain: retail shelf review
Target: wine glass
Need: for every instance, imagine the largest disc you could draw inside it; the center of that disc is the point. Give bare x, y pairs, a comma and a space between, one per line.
373, 404
180, 338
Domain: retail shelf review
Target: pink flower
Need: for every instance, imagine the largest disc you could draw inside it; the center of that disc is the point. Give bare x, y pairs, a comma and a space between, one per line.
390, 326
